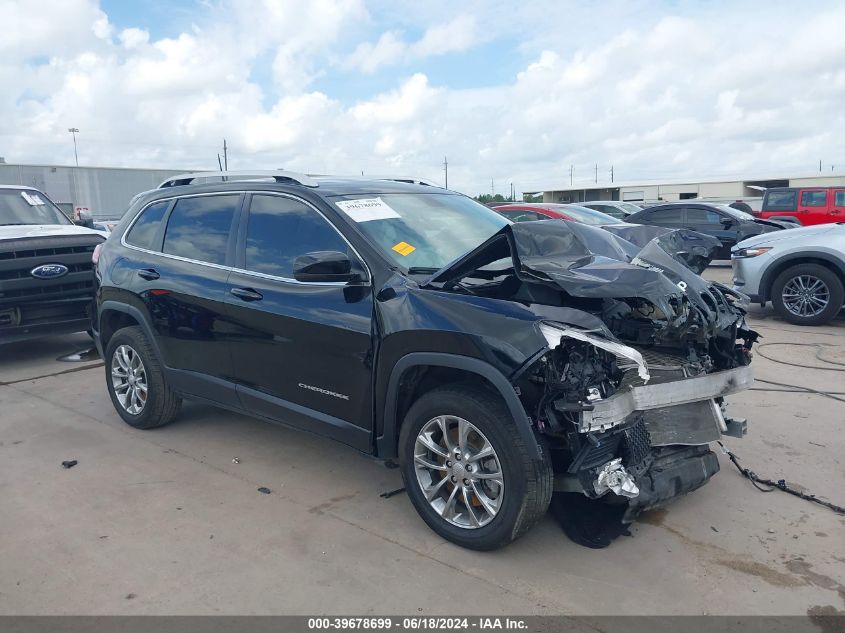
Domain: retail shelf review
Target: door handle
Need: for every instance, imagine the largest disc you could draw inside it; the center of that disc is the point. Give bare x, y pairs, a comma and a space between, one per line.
149, 274
247, 294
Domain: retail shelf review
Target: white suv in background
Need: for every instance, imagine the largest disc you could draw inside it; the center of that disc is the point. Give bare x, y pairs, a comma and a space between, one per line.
801, 271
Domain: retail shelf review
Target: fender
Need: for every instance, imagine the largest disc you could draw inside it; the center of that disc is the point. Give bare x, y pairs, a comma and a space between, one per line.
386, 443
136, 314
774, 269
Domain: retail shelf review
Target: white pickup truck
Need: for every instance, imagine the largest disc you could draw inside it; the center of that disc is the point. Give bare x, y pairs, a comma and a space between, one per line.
46, 272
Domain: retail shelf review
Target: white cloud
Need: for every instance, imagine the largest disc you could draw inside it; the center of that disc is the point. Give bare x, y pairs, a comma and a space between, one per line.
667, 95
457, 35
133, 38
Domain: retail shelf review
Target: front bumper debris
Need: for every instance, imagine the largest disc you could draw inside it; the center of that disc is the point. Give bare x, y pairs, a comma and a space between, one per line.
672, 474
608, 413
613, 477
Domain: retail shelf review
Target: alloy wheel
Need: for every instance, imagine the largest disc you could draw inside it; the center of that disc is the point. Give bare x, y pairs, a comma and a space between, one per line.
805, 296
129, 379
459, 472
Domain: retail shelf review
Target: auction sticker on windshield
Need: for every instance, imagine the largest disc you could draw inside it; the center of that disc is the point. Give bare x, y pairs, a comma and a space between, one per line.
403, 248
367, 209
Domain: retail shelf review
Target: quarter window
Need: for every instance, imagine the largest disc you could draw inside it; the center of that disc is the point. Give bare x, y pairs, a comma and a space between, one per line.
280, 230
839, 200
143, 233
813, 198
199, 228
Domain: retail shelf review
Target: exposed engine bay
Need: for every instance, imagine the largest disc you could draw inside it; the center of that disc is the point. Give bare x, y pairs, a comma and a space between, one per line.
640, 352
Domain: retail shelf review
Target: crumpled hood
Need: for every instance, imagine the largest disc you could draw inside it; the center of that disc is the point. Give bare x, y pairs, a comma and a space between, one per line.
13, 232
587, 261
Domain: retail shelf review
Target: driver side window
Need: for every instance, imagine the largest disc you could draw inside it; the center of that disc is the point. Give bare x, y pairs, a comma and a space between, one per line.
281, 229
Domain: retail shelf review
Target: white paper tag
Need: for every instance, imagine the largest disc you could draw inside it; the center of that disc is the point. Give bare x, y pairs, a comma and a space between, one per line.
33, 199
367, 209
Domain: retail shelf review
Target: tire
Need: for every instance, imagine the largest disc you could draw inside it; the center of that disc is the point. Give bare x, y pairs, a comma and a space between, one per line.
808, 275
160, 404
527, 481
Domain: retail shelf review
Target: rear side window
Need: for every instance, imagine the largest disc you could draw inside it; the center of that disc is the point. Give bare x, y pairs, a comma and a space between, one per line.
280, 230
780, 200
839, 200
143, 233
702, 216
813, 198
666, 216
199, 228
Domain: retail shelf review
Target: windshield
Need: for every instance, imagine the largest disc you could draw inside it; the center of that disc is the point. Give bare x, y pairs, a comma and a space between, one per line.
588, 216
423, 230
25, 206
740, 215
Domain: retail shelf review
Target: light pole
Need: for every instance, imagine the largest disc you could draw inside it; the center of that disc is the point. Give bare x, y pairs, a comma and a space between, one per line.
74, 130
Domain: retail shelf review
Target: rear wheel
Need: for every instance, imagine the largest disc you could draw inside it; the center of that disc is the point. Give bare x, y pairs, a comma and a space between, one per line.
807, 294
468, 471
136, 383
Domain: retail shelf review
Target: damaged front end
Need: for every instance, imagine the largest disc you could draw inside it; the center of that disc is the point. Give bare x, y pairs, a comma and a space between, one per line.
640, 353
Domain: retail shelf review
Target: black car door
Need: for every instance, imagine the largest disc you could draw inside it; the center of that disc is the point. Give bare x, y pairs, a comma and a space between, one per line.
712, 222
178, 269
302, 351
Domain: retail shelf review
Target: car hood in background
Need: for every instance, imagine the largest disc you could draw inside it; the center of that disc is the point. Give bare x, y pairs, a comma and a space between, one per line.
18, 231
812, 232
772, 225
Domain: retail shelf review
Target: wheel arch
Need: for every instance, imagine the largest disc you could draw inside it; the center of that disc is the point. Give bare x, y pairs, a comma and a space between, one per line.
805, 257
431, 369
114, 316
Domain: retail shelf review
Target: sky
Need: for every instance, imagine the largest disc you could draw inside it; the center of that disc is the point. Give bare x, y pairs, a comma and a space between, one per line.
507, 92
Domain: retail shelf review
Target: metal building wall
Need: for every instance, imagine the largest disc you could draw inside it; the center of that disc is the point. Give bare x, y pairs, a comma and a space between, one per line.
104, 191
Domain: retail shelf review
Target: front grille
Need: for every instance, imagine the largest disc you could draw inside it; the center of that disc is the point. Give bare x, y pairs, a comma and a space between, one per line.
23, 273
18, 257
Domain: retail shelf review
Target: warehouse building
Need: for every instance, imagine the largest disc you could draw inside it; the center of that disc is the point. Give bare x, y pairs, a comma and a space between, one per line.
103, 191
673, 190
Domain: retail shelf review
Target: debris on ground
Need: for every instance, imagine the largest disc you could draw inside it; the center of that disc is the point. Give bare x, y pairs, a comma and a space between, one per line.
392, 493
265, 491
70, 463
780, 484
236, 460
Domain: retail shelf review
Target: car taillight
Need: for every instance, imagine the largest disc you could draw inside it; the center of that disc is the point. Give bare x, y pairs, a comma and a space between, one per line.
95, 256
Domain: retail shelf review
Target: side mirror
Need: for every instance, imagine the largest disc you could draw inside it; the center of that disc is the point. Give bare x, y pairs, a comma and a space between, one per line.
726, 222
324, 266
85, 219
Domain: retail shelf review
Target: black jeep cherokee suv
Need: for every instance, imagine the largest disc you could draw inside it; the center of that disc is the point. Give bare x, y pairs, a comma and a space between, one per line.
497, 362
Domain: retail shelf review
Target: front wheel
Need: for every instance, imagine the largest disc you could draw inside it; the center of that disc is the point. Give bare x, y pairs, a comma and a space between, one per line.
468, 471
807, 294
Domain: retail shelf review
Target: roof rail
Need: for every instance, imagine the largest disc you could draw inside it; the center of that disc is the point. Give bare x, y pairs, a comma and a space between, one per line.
412, 181
278, 175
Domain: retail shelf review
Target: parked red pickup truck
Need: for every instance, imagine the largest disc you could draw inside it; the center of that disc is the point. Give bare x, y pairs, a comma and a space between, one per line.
804, 205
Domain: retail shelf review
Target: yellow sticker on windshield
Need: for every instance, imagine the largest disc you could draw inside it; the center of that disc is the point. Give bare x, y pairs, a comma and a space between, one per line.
404, 249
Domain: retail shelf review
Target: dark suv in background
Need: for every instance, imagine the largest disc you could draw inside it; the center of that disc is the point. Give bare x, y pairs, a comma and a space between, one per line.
496, 361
